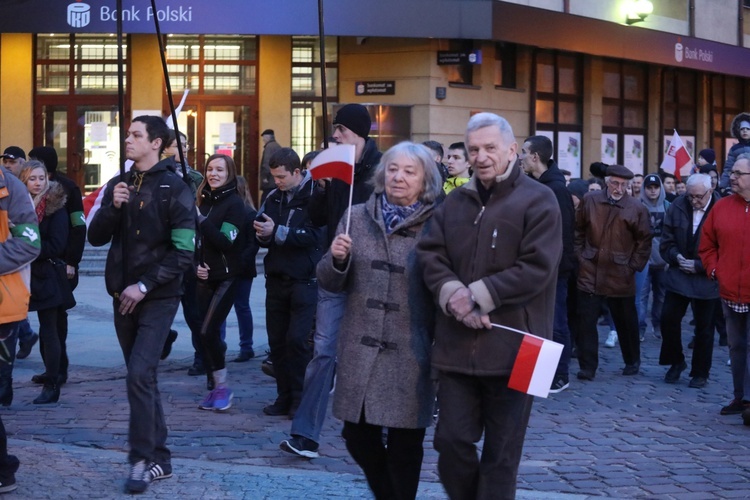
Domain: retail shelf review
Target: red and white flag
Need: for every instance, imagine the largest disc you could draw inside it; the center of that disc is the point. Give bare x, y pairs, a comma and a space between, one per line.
336, 161
677, 160
535, 365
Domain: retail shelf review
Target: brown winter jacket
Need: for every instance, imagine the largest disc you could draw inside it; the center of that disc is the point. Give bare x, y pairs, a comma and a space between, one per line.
507, 252
612, 242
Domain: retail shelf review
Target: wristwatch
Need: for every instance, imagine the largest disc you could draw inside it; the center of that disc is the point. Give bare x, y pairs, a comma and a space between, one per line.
142, 288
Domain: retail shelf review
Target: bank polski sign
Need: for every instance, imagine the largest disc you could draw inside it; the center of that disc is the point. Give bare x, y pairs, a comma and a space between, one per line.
79, 14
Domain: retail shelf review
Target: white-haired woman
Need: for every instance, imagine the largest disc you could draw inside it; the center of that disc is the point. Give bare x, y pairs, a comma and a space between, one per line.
385, 339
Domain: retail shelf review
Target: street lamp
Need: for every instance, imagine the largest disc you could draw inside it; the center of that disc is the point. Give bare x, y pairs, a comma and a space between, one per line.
637, 11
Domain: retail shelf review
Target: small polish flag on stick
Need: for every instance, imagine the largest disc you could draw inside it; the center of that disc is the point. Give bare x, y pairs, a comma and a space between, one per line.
535, 364
677, 160
336, 162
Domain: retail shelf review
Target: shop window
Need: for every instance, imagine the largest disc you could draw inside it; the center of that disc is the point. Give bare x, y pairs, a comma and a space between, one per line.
77, 64
624, 106
308, 128
557, 103
460, 74
505, 65
679, 106
728, 100
211, 64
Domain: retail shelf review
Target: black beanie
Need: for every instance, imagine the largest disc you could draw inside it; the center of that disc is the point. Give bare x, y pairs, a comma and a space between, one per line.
354, 117
708, 155
46, 155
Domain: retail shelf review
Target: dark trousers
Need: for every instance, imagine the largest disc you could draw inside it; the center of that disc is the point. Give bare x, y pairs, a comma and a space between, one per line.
48, 333
392, 470
560, 330
470, 406
290, 313
675, 306
215, 299
625, 316
142, 335
9, 341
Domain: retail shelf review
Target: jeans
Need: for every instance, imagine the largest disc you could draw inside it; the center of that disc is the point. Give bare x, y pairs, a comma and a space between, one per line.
215, 299
9, 340
640, 304
290, 314
626, 322
560, 330
308, 421
392, 469
675, 307
244, 313
24, 330
653, 283
738, 336
142, 335
469, 407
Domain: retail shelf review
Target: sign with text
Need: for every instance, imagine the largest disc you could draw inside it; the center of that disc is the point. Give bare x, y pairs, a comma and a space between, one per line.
375, 88
448, 57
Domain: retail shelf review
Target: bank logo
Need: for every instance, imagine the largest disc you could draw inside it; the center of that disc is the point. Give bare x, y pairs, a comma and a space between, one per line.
678, 52
79, 14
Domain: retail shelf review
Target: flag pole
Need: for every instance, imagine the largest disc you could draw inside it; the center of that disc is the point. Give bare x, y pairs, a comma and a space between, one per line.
349, 211
323, 90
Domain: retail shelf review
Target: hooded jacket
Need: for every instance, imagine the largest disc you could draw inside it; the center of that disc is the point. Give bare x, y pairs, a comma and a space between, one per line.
328, 204
159, 229
656, 213
555, 180
743, 146
19, 245
54, 231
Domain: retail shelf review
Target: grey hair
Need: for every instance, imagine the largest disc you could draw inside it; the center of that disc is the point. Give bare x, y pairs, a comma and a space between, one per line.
482, 120
700, 180
432, 185
743, 156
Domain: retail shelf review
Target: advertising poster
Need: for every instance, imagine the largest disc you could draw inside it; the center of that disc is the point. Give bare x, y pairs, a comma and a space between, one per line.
569, 152
609, 149
633, 153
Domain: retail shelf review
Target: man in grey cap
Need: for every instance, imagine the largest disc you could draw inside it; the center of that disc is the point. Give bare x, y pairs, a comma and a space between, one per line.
612, 242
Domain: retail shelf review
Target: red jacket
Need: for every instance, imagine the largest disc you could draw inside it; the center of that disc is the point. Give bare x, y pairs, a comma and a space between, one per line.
725, 247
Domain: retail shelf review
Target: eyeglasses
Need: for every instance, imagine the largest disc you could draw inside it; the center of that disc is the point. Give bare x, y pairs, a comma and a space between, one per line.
697, 197
735, 173
615, 184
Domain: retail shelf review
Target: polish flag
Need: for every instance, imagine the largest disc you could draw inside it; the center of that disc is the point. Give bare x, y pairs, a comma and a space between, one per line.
677, 160
336, 161
535, 365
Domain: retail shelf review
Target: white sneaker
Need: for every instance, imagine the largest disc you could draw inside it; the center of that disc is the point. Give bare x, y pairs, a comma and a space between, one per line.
612, 339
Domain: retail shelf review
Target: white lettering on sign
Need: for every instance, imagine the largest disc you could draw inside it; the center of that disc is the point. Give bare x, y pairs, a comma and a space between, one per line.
699, 55
168, 13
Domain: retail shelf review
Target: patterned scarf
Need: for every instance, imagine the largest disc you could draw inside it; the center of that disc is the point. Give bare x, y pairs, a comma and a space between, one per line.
393, 215
40, 208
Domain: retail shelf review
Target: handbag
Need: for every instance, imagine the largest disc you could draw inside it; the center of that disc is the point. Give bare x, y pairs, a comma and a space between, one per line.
66, 291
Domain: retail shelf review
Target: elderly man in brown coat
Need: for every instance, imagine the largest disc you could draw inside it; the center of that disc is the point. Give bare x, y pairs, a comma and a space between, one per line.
612, 242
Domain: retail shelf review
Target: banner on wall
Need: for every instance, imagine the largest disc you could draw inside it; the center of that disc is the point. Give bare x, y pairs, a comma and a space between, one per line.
569, 152
633, 152
609, 149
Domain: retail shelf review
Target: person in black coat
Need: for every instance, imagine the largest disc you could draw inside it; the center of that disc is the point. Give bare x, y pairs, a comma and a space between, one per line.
536, 160
221, 218
49, 295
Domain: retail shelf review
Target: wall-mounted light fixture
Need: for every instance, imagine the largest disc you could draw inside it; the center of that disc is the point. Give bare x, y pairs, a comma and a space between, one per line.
637, 11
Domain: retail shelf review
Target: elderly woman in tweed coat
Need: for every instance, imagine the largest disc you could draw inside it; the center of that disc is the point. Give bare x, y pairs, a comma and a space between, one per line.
385, 339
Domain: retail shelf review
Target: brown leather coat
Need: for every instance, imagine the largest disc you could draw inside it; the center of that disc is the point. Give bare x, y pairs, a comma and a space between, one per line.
612, 242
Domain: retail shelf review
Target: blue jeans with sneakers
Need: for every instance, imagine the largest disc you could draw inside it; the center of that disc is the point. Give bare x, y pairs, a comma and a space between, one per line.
309, 418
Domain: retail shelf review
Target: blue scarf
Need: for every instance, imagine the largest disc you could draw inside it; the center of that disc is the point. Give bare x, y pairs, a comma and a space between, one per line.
393, 215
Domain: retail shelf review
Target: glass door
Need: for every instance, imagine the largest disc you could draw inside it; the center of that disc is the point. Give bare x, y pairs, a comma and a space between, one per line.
86, 138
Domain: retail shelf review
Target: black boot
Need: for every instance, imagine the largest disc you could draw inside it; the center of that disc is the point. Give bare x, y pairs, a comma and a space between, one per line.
50, 394
6, 391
